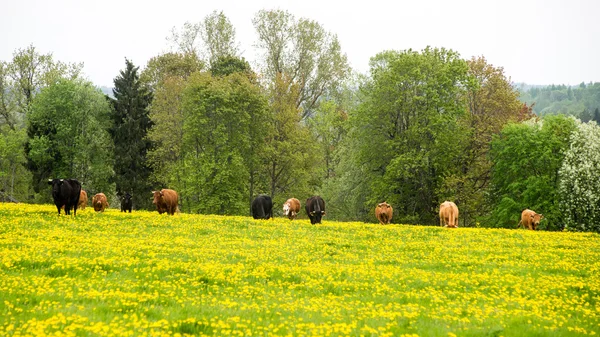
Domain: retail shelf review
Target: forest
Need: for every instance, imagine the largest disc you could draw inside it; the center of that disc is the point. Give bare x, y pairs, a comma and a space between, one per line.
421, 127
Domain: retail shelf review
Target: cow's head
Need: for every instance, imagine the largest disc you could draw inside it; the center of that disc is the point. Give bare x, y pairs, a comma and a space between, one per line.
383, 205
535, 220
126, 197
56, 184
286, 208
157, 196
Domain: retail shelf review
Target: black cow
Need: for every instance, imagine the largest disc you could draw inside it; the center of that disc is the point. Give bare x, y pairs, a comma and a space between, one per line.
315, 208
65, 192
126, 204
262, 207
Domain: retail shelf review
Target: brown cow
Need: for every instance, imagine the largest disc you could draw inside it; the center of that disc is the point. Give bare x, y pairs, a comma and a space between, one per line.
383, 213
83, 200
449, 214
530, 219
165, 201
99, 202
291, 208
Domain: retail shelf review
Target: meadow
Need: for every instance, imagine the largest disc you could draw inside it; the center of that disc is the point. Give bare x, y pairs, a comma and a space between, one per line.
119, 274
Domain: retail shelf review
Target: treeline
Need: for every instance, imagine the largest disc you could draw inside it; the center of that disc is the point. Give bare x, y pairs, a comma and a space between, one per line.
582, 101
422, 127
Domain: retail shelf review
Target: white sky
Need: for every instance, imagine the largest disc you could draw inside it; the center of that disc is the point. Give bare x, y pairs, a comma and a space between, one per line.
538, 42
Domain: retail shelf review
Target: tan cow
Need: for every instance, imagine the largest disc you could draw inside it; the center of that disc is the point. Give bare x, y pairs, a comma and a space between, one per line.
166, 201
449, 214
291, 208
530, 219
384, 212
99, 202
83, 200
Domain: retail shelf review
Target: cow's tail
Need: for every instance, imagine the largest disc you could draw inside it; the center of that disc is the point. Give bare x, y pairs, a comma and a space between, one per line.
520, 223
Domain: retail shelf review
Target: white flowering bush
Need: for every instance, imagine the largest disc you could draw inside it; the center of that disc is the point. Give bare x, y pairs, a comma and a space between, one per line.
579, 185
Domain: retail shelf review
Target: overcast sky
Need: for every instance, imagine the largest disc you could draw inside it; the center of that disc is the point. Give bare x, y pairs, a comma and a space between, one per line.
537, 42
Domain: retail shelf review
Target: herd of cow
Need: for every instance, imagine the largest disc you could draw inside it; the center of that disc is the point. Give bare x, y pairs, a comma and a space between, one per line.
68, 195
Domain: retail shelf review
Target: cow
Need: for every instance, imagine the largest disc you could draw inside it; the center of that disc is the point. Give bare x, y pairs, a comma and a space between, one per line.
262, 207
83, 200
449, 214
384, 212
530, 219
126, 203
315, 208
291, 208
166, 200
99, 202
65, 192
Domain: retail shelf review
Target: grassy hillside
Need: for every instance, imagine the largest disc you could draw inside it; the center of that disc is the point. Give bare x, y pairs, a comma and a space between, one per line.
145, 274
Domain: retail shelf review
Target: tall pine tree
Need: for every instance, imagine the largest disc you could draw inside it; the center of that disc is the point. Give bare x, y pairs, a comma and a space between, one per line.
131, 123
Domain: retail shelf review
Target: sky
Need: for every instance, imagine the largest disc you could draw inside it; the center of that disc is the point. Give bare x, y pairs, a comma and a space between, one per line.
536, 42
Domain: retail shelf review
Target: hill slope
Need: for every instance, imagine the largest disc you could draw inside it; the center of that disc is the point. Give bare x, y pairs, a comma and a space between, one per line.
141, 273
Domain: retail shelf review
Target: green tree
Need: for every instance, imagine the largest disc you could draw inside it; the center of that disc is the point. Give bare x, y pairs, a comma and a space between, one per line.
224, 129
167, 75
302, 50
130, 124
526, 159
68, 138
292, 153
405, 134
492, 102
209, 39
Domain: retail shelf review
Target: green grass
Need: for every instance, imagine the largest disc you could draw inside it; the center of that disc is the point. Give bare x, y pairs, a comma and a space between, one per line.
144, 274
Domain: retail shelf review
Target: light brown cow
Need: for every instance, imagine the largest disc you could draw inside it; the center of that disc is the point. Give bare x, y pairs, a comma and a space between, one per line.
291, 208
530, 219
166, 201
83, 200
384, 212
449, 214
99, 202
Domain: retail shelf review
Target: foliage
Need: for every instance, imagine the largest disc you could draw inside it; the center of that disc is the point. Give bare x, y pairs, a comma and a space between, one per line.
169, 65
492, 102
301, 50
526, 160
106, 274
67, 137
579, 190
15, 180
405, 135
209, 39
292, 153
224, 129
129, 127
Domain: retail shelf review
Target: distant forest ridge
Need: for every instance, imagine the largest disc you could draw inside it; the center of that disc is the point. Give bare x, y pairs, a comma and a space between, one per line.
581, 101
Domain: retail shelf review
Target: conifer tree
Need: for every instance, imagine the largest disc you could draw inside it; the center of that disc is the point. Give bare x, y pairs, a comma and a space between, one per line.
130, 125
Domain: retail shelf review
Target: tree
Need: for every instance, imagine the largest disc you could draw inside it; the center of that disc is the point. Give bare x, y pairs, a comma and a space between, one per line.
167, 75
303, 51
130, 125
169, 65
31, 71
579, 188
68, 138
224, 128
227, 65
292, 152
492, 103
526, 159
215, 32
405, 134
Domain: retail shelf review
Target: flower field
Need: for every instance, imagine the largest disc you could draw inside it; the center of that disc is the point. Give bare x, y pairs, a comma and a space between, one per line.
119, 274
